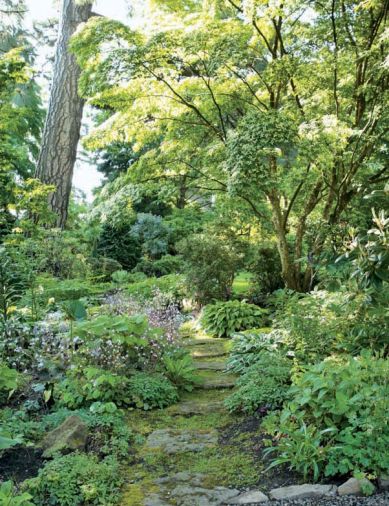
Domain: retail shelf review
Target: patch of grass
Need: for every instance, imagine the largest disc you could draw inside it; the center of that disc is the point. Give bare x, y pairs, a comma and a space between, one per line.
242, 284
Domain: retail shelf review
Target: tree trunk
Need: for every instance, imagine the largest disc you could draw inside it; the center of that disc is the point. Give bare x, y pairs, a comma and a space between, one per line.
63, 122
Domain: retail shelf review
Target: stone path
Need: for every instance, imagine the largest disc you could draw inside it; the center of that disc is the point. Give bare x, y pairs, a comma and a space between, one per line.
188, 488
183, 460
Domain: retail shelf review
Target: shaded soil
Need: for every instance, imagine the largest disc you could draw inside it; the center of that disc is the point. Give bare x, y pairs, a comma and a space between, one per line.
20, 463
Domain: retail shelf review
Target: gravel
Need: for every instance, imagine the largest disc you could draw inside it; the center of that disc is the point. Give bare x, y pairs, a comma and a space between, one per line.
374, 500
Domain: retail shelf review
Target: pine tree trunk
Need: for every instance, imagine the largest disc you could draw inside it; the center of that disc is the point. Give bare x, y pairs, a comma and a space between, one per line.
63, 122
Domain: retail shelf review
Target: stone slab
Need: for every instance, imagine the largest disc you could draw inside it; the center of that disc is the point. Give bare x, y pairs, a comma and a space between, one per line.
305, 491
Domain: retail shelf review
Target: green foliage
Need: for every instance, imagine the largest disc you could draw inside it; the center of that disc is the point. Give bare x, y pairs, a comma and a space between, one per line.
7, 442
180, 370
210, 267
10, 380
167, 264
8, 496
151, 232
75, 310
225, 318
171, 284
265, 267
122, 329
10, 288
64, 290
61, 254
20, 124
91, 385
103, 267
75, 480
335, 421
117, 243
370, 255
264, 385
188, 330
151, 391
120, 277
302, 448
316, 324
247, 347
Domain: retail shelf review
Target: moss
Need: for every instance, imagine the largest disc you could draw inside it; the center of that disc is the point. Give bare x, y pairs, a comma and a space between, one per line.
222, 466
133, 495
136, 493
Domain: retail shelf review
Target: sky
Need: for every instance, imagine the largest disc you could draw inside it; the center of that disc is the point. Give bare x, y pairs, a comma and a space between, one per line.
86, 177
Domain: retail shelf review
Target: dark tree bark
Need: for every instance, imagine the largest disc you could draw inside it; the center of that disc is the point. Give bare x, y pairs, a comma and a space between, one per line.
63, 122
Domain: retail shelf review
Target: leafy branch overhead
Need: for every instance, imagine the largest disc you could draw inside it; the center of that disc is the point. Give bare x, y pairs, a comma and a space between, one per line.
280, 107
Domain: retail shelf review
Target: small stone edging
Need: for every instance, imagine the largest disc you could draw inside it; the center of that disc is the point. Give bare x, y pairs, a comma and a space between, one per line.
352, 487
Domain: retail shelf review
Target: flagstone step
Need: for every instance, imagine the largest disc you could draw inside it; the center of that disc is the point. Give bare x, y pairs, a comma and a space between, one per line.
208, 354
210, 365
206, 340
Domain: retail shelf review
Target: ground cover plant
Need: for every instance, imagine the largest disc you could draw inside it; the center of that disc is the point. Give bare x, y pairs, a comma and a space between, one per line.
199, 307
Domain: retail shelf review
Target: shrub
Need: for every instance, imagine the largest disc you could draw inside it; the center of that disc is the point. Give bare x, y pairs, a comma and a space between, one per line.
171, 284
149, 391
266, 270
117, 243
167, 264
320, 323
90, 385
224, 318
151, 232
338, 407
68, 289
76, 480
121, 277
112, 341
210, 267
56, 253
264, 385
103, 267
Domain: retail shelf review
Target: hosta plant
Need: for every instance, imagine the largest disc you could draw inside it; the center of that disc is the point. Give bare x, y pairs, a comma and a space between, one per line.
225, 318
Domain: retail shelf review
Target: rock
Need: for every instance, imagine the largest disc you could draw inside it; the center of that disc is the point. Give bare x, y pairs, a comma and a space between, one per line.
253, 496
354, 487
179, 441
383, 482
305, 491
185, 495
155, 500
211, 366
196, 479
71, 435
196, 407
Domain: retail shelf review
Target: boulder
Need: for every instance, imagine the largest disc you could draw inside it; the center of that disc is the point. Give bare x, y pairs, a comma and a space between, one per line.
305, 491
383, 482
354, 487
71, 435
253, 496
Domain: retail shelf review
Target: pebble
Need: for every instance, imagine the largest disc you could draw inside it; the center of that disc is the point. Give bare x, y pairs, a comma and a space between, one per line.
374, 500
